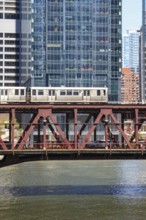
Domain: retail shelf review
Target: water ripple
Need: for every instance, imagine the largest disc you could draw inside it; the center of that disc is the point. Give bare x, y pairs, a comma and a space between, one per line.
123, 190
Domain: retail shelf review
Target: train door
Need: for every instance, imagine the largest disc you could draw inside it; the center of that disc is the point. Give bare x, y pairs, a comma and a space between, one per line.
51, 94
3, 95
86, 95
22, 95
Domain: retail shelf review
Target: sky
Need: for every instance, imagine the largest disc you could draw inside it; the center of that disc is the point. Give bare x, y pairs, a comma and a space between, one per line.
132, 14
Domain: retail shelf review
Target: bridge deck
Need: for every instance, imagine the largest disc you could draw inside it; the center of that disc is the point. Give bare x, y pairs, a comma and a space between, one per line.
42, 120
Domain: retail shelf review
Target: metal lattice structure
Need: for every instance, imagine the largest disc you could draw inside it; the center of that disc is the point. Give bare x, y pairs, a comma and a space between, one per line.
43, 118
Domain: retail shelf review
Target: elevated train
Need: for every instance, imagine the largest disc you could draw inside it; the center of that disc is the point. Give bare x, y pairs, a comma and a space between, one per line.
53, 95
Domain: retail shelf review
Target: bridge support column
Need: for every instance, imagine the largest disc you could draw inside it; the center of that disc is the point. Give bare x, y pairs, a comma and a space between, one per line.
136, 128
67, 126
75, 128
122, 126
106, 130
44, 131
12, 128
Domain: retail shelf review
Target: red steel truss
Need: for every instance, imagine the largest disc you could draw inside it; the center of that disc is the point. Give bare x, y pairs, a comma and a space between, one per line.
44, 118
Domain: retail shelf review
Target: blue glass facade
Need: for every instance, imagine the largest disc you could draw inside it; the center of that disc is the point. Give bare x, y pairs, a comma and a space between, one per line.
39, 35
77, 43
131, 50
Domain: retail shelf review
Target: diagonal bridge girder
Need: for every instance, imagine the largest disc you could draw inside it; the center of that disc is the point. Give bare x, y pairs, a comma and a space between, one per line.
48, 113
44, 113
102, 113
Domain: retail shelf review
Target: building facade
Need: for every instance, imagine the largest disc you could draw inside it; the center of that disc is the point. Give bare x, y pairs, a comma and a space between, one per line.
77, 44
125, 51
131, 49
61, 43
130, 86
15, 48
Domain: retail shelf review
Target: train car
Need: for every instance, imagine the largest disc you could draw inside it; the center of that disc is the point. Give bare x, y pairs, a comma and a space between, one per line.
68, 95
12, 94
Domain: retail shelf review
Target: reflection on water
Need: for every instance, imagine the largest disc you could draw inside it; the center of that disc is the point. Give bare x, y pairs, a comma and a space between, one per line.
68, 190
118, 190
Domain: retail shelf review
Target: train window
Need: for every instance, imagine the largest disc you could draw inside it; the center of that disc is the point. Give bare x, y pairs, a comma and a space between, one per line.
62, 92
104, 92
86, 92
75, 93
22, 92
51, 92
98, 92
33, 92
6, 93
16, 91
40, 92
69, 92
1, 92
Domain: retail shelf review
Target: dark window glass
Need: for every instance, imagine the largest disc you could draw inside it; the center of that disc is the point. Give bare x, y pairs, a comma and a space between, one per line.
22, 91
53, 92
76, 93
69, 92
16, 92
40, 92
33, 92
62, 92
98, 92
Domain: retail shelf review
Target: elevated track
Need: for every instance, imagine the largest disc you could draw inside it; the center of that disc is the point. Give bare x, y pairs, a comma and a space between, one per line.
42, 133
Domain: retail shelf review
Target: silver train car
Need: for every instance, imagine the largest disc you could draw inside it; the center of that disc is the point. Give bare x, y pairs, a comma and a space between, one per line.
68, 94
53, 95
12, 94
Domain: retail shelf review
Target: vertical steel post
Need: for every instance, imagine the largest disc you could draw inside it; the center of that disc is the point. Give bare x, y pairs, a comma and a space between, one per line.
12, 118
75, 128
136, 127
106, 131
95, 130
122, 126
67, 126
39, 133
44, 135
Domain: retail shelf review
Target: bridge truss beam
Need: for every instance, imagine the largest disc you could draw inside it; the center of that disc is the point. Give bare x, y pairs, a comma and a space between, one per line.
78, 127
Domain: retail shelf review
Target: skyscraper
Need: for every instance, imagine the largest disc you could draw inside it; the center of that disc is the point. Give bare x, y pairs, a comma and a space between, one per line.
15, 48
61, 43
77, 43
131, 50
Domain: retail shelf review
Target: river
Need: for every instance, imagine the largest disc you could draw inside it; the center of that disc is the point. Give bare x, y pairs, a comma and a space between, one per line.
74, 190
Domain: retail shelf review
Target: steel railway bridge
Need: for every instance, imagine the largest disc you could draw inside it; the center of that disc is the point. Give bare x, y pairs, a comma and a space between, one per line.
69, 139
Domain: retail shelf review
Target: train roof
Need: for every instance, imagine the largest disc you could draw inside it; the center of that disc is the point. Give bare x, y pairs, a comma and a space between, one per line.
12, 87
70, 88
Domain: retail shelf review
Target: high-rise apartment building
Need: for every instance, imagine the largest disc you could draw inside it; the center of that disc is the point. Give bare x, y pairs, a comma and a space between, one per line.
15, 48
129, 86
131, 50
77, 43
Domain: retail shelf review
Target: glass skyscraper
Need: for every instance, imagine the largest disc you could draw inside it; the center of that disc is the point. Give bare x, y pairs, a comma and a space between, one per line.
77, 43
131, 49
